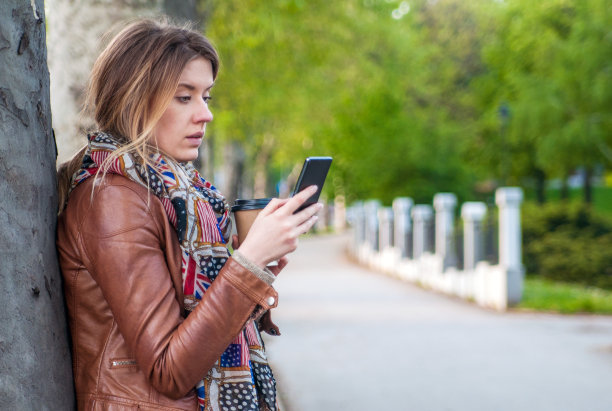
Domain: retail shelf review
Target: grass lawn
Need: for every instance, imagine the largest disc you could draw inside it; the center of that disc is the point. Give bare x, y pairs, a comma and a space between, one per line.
547, 295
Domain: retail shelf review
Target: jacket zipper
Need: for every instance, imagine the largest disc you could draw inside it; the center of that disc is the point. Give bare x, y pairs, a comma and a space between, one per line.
119, 363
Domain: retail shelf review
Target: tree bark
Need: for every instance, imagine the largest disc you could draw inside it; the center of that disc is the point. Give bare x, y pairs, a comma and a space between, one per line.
35, 366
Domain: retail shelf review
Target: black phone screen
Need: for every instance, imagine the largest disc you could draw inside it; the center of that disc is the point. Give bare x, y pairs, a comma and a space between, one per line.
314, 171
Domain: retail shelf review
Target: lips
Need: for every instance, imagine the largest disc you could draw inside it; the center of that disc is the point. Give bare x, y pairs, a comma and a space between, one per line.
195, 139
199, 135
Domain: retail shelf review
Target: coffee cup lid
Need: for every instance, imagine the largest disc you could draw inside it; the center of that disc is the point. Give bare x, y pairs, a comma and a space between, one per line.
250, 204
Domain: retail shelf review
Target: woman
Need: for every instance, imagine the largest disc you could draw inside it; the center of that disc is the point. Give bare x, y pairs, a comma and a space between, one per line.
161, 316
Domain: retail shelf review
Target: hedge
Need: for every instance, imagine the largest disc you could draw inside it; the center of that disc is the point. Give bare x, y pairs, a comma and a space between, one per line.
569, 243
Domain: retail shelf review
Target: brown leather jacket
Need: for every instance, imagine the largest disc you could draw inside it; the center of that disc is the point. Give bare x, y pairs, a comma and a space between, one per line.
121, 262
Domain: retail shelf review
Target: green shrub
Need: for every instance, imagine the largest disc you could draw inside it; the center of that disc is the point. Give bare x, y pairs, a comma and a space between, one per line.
568, 243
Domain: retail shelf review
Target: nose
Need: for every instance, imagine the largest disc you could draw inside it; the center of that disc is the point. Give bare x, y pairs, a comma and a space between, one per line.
203, 113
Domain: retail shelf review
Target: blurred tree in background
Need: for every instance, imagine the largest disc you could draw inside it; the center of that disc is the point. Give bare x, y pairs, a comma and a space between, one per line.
412, 97
551, 64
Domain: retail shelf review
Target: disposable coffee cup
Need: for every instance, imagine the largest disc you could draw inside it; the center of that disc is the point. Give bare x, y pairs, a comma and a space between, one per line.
245, 212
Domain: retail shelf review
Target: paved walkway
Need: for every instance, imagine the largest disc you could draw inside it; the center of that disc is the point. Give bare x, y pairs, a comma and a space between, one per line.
356, 340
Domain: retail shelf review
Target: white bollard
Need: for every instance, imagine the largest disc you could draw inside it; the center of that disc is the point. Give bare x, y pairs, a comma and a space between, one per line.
472, 213
385, 224
445, 204
371, 223
421, 216
402, 229
356, 215
509, 200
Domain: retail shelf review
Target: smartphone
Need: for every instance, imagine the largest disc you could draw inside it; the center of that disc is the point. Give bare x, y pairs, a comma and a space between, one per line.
314, 171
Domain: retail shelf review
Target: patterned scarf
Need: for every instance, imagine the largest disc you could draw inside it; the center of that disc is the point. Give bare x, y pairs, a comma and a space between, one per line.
241, 378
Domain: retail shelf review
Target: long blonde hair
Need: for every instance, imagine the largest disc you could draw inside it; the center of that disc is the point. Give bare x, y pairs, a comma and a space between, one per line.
131, 84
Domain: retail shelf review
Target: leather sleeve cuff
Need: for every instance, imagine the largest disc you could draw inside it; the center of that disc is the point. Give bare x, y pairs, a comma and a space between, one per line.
263, 274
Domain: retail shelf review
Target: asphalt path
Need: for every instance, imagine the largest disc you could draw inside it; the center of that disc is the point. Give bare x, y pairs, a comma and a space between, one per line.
353, 339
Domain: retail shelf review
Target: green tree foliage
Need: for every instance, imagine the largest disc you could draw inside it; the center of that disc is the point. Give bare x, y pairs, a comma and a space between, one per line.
419, 96
550, 63
277, 76
347, 79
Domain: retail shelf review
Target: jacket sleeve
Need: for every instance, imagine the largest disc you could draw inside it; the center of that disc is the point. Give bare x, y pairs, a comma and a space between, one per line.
123, 246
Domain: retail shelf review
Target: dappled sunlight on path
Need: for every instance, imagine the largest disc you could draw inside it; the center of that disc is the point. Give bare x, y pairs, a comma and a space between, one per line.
357, 340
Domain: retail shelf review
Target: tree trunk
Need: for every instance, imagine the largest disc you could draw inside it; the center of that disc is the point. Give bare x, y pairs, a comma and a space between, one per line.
183, 11
260, 183
75, 30
540, 186
588, 186
35, 366
564, 188
205, 163
264, 153
233, 170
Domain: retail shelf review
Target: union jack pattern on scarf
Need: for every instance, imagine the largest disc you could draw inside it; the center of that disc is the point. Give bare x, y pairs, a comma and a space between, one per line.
170, 211
208, 230
196, 281
200, 215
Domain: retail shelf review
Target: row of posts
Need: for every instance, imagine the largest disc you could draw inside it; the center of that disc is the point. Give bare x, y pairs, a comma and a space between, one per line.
414, 230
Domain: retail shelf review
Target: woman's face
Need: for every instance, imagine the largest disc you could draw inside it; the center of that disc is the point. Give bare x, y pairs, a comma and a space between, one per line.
180, 130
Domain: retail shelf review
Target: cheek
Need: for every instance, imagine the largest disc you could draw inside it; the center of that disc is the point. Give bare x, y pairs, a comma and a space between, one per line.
168, 123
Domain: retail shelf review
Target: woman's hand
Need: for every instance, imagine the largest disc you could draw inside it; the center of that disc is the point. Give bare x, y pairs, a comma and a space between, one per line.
276, 229
275, 269
282, 263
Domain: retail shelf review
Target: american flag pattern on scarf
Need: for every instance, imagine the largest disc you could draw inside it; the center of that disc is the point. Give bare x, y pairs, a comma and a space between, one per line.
241, 379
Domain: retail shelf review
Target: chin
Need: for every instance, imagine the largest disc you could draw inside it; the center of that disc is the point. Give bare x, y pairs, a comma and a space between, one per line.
186, 157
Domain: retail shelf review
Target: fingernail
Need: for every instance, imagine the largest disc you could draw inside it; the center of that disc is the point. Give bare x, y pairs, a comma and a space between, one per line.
315, 188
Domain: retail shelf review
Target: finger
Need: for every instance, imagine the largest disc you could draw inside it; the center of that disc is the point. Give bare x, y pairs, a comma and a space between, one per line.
300, 198
274, 205
307, 213
307, 225
234, 241
281, 263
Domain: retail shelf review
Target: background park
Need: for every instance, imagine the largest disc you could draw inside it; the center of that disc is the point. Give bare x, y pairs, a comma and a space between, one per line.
412, 98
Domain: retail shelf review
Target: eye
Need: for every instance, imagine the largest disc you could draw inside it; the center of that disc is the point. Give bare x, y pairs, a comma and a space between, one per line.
207, 99
183, 99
